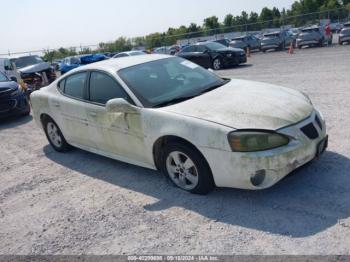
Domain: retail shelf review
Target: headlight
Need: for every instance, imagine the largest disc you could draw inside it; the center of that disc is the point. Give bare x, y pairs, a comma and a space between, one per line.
229, 55
250, 141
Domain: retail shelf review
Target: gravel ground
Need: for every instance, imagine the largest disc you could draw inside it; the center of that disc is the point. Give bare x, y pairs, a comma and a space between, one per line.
78, 202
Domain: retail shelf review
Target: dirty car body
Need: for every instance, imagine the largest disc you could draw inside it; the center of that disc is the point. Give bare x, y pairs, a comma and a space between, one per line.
173, 115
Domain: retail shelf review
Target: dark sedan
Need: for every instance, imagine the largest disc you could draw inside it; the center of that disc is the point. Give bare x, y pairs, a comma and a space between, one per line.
213, 55
13, 99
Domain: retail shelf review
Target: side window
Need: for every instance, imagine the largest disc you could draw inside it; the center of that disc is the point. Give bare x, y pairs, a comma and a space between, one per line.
200, 48
188, 49
75, 85
104, 88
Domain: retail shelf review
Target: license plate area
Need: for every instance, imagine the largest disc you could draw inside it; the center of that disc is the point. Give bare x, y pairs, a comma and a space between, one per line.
321, 147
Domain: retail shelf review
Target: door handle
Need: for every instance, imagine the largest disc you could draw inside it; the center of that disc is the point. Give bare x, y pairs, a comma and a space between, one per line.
93, 114
56, 104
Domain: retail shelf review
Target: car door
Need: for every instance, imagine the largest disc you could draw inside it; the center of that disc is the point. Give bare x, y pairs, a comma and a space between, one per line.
203, 56
69, 109
117, 134
189, 53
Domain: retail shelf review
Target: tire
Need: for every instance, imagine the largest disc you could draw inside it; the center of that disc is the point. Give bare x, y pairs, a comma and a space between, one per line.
187, 169
55, 136
340, 43
27, 111
217, 65
300, 46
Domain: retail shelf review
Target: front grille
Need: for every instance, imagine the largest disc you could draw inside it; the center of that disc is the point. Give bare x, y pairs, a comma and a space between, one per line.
310, 131
319, 123
7, 105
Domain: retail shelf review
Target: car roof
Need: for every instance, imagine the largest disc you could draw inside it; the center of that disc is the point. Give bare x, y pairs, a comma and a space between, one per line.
122, 62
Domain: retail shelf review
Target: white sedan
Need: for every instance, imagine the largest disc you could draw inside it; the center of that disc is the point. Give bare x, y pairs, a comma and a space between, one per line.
169, 114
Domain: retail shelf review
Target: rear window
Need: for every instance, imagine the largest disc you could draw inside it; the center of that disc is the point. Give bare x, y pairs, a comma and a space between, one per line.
272, 35
308, 30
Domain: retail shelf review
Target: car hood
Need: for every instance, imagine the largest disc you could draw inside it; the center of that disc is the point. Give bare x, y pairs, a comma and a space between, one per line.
245, 104
7, 85
35, 68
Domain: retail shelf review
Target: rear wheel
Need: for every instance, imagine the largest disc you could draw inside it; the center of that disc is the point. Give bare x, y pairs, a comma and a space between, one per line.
187, 169
55, 136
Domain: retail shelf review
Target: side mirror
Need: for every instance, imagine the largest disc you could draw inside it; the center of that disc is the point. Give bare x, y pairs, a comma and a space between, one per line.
7, 68
14, 79
120, 105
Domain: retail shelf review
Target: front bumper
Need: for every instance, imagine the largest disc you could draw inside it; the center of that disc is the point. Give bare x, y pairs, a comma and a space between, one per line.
16, 105
344, 38
235, 59
233, 169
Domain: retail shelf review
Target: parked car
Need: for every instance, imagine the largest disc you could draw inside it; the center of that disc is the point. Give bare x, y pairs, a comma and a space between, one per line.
167, 50
72, 62
167, 113
33, 69
224, 41
294, 32
129, 53
7, 68
312, 36
344, 36
336, 27
245, 42
279, 40
13, 98
347, 24
213, 55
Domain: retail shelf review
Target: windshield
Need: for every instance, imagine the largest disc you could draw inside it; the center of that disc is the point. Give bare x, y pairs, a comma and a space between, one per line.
3, 78
159, 82
215, 46
27, 61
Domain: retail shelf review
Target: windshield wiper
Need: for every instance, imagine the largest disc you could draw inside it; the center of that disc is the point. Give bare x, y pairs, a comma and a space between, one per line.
174, 101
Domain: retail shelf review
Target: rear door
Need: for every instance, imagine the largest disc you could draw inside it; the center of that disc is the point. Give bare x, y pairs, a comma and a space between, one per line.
70, 108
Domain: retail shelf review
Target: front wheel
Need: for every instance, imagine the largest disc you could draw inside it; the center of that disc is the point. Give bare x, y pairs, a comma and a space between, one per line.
187, 169
55, 136
217, 64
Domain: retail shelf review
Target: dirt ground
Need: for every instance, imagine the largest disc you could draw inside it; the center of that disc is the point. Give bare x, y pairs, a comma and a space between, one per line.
74, 203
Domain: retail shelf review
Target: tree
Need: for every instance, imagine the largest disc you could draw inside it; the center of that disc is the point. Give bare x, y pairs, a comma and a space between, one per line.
211, 23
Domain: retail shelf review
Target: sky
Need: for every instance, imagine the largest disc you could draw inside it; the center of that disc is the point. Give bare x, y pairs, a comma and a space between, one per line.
41, 24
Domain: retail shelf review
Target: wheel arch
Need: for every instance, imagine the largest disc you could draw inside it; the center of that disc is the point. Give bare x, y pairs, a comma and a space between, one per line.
161, 143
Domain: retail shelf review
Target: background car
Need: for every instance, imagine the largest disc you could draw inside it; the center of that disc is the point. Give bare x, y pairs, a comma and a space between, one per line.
312, 36
7, 68
33, 71
225, 41
344, 36
129, 53
13, 98
72, 62
213, 55
245, 42
278, 40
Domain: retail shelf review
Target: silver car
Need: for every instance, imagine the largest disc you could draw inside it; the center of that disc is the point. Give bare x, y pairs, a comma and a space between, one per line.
344, 36
276, 40
245, 42
313, 36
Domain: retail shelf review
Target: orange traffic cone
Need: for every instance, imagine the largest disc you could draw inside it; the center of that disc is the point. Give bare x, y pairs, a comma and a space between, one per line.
248, 52
291, 49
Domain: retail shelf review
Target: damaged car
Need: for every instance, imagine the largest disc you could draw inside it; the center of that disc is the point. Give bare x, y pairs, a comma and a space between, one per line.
167, 113
34, 71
